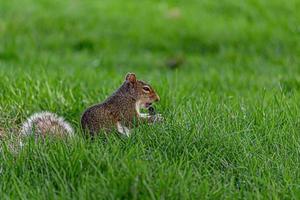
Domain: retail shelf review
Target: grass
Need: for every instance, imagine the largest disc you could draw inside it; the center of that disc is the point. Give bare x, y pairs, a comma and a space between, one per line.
231, 108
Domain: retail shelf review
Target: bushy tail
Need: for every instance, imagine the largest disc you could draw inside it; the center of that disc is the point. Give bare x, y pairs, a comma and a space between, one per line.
46, 123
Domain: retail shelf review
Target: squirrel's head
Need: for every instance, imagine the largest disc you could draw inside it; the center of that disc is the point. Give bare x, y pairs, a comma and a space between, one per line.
142, 91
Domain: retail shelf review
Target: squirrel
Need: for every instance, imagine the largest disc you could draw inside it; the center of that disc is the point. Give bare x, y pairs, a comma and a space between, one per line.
119, 112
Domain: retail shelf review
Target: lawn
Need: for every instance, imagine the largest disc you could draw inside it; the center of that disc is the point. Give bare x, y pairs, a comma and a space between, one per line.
231, 101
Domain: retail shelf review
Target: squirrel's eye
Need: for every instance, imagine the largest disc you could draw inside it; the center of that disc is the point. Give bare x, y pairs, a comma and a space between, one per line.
146, 89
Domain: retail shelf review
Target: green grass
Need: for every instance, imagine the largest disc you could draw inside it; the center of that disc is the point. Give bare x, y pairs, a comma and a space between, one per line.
232, 127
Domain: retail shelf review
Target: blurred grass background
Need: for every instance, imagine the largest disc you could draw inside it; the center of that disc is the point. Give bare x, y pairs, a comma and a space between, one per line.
227, 72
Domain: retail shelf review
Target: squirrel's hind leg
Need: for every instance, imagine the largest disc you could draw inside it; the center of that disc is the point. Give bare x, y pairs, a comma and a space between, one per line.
123, 129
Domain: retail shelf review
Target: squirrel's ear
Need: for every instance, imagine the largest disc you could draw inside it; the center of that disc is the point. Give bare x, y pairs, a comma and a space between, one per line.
131, 77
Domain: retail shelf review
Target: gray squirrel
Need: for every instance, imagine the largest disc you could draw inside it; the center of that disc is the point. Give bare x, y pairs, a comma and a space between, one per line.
120, 111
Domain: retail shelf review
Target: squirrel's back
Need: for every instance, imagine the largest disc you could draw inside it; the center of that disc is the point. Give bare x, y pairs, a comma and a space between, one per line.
97, 117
